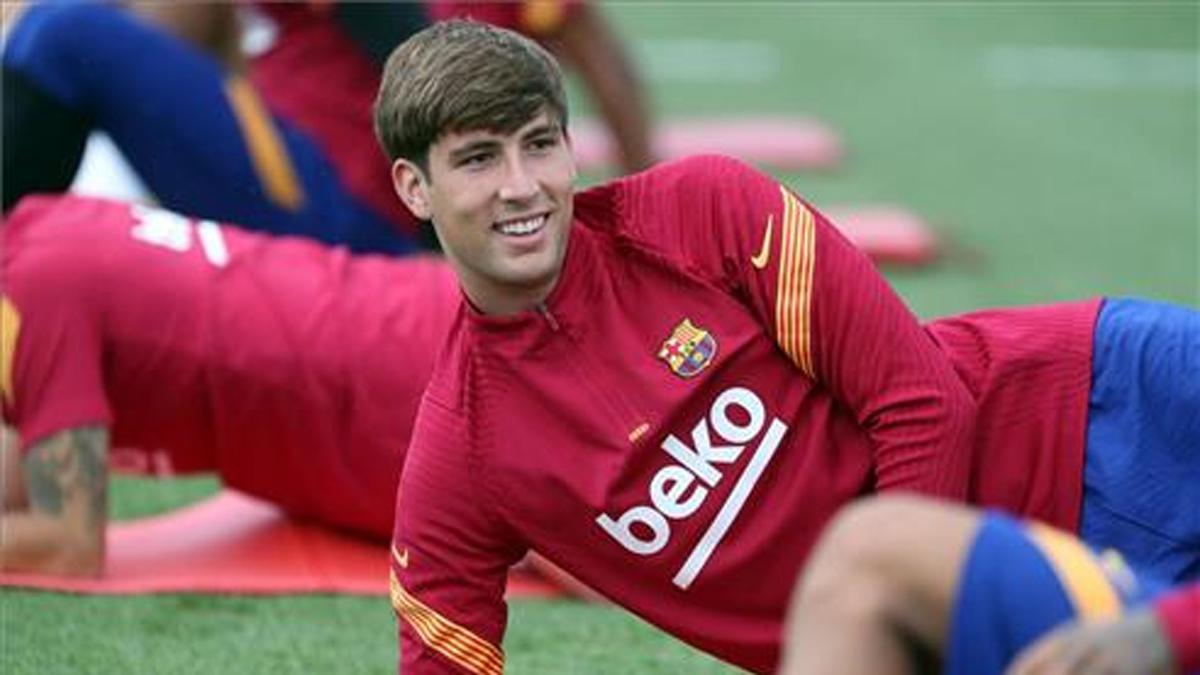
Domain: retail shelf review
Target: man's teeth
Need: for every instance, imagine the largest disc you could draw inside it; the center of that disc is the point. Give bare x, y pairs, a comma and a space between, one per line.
522, 226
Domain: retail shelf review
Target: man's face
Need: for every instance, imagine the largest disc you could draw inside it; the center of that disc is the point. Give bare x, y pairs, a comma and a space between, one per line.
501, 205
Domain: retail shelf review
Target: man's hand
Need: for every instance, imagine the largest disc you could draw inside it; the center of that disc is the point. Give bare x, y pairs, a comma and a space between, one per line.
61, 530
1132, 645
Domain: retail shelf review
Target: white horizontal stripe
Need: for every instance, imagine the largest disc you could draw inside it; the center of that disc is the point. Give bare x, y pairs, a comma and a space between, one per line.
1092, 68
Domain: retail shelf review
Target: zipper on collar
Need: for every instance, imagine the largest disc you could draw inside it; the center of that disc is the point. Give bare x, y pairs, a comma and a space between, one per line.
545, 312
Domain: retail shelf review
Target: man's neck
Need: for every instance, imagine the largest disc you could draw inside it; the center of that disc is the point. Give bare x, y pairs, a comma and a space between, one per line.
503, 301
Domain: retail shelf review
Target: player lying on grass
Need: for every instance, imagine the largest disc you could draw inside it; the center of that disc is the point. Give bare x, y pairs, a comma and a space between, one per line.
897, 582
290, 369
280, 141
666, 385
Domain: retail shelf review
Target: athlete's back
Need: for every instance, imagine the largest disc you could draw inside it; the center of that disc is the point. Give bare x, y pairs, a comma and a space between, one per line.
290, 368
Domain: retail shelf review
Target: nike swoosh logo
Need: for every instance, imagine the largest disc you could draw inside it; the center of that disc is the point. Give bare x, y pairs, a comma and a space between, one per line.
764, 254
401, 557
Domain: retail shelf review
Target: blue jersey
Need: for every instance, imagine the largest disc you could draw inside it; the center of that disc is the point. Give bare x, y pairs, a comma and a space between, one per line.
1023, 580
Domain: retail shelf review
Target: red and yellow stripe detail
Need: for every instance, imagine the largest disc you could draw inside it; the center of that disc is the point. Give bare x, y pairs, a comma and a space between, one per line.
456, 643
639, 431
10, 329
1082, 578
542, 17
267, 151
794, 288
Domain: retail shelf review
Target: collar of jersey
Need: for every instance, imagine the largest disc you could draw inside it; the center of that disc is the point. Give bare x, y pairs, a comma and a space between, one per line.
562, 307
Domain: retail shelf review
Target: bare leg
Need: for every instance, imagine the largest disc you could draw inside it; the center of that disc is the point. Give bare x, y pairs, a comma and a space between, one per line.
879, 588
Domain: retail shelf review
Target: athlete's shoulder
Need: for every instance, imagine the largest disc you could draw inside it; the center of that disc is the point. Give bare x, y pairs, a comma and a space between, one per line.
445, 397
688, 189
694, 172
440, 487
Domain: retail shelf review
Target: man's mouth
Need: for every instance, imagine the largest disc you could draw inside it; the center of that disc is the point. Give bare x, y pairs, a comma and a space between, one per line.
522, 227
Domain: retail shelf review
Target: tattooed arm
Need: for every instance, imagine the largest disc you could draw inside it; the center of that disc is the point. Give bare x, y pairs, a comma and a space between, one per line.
61, 529
12, 478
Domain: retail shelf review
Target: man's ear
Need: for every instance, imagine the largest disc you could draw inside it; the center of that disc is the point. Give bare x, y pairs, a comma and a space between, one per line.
411, 186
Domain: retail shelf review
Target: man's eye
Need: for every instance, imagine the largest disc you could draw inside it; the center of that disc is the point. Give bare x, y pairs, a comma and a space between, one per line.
477, 159
544, 143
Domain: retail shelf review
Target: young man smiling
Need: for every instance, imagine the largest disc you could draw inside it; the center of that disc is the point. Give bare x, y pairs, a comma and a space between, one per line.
667, 384
504, 204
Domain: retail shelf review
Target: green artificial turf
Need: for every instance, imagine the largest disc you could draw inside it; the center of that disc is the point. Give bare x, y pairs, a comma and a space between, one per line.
1042, 193
62, 633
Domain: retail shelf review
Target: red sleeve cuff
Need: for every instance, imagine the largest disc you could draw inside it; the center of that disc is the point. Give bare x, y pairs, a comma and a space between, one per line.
1179, 614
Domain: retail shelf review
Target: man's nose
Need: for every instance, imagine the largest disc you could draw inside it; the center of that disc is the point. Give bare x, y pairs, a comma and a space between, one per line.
519, 183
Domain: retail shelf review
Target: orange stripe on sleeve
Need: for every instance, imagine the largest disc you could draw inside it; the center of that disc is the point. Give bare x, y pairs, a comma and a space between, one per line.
1081, 576
267, 151
542, 17
782, 315
796, 282
793, 301
10, 329
807, 259
445, 637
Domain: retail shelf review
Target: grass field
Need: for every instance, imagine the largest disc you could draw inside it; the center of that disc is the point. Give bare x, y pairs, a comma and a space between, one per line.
1053, 144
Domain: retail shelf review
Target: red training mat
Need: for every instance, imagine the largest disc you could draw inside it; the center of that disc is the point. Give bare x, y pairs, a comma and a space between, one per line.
794, 143
888, 234
232, 543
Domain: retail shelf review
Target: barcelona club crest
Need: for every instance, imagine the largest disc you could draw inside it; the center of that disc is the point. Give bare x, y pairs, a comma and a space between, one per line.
689, 350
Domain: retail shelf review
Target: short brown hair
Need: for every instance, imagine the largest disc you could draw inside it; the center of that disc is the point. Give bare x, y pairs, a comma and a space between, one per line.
463, 76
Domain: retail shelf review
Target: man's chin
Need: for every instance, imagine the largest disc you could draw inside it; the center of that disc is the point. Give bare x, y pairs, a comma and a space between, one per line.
526, 278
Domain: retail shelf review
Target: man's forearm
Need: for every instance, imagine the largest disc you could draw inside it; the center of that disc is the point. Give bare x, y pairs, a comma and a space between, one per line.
596, 52
12, 482
62, 529
33, 542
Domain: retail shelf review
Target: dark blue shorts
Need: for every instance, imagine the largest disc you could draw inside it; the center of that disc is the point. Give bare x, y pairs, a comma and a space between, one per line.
200, 139
1021, 582
1141, 478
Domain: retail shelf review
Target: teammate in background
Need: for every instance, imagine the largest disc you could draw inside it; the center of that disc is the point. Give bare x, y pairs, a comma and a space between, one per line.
577, 32
282, 142
203, 135
668, 384
896, 581
290, 369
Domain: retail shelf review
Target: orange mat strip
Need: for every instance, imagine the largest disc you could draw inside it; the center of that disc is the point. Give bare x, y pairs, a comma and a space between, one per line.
234, 544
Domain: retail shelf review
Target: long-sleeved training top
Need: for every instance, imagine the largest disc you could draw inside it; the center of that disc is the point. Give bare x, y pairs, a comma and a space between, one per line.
716, 371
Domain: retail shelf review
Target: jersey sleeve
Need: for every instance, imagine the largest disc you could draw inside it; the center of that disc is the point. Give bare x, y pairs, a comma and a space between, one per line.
449, 558
826, 306
1179, 614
